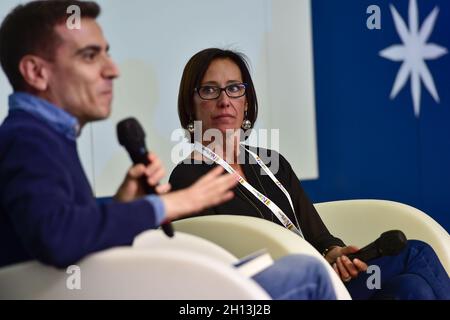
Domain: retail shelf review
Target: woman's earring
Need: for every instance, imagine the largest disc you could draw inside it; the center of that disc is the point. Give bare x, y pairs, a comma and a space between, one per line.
246, 124
191, 127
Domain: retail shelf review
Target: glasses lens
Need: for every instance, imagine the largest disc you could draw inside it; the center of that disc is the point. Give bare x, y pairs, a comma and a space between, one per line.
208, 92
236, 90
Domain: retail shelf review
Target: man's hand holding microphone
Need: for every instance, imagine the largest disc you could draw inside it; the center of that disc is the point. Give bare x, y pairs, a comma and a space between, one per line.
144, 177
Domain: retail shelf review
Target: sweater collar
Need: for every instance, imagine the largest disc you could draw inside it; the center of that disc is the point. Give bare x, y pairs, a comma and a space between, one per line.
55, 117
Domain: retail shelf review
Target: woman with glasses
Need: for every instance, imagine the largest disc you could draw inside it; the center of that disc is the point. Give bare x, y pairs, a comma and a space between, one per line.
217, 104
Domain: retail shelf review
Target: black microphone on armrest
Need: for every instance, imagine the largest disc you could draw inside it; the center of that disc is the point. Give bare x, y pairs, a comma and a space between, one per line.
390, 243
131, 135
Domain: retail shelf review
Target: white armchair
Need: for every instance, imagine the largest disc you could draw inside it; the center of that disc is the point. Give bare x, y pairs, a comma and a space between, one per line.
242, 235
357, 222
360, 222
185, 267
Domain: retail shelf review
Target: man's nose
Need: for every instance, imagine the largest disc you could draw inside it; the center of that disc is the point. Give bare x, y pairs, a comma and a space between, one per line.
110, 70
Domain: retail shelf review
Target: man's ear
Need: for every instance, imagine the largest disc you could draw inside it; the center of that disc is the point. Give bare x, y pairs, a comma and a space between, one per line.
35, 72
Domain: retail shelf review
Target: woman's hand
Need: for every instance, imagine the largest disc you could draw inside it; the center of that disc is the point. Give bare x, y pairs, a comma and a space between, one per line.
342, 265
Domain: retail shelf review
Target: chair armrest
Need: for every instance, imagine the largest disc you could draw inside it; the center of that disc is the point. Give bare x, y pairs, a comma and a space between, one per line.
132, 273
242, 235
156, 239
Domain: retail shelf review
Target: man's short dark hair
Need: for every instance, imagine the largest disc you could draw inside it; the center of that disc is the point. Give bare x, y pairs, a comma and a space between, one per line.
30, 29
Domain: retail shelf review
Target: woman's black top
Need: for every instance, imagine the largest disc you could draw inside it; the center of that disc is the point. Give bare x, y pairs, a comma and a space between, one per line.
245, 203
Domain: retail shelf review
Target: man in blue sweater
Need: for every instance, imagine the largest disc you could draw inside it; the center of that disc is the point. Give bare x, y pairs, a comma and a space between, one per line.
62, 80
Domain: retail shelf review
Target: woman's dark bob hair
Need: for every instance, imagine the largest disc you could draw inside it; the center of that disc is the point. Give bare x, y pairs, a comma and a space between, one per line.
195, 71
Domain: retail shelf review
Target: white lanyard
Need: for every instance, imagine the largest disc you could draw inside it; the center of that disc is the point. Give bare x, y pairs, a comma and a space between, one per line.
282, 217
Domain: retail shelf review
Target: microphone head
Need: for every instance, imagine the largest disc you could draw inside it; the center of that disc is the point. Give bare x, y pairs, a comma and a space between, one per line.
390, 243
131, 135
130, 132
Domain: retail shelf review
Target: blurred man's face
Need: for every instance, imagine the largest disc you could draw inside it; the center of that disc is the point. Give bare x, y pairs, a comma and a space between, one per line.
81, 74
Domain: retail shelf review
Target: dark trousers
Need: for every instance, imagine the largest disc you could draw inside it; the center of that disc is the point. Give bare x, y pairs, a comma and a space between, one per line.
416, 273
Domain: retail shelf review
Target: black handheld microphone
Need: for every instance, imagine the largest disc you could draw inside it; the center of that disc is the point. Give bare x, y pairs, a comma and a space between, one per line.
131, 135
390, 243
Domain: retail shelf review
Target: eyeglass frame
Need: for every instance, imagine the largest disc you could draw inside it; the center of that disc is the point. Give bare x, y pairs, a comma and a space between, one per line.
197, 90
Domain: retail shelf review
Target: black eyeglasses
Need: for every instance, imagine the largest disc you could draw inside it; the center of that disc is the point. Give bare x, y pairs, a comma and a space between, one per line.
235, 90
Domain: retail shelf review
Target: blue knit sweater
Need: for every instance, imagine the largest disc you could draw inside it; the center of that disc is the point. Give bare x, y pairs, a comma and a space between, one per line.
47, 208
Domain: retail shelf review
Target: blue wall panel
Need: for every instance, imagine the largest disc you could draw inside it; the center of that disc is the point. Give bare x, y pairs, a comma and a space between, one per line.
369, 145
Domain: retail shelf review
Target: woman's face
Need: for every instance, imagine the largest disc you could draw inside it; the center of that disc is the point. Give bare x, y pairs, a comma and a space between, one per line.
223, 113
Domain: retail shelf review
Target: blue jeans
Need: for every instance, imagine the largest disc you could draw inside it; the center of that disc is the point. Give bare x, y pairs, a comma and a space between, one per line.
296, 277
416, 273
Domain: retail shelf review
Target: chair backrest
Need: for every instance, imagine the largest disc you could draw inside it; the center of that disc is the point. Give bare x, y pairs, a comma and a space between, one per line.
360, 222
134, 273
242, 235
